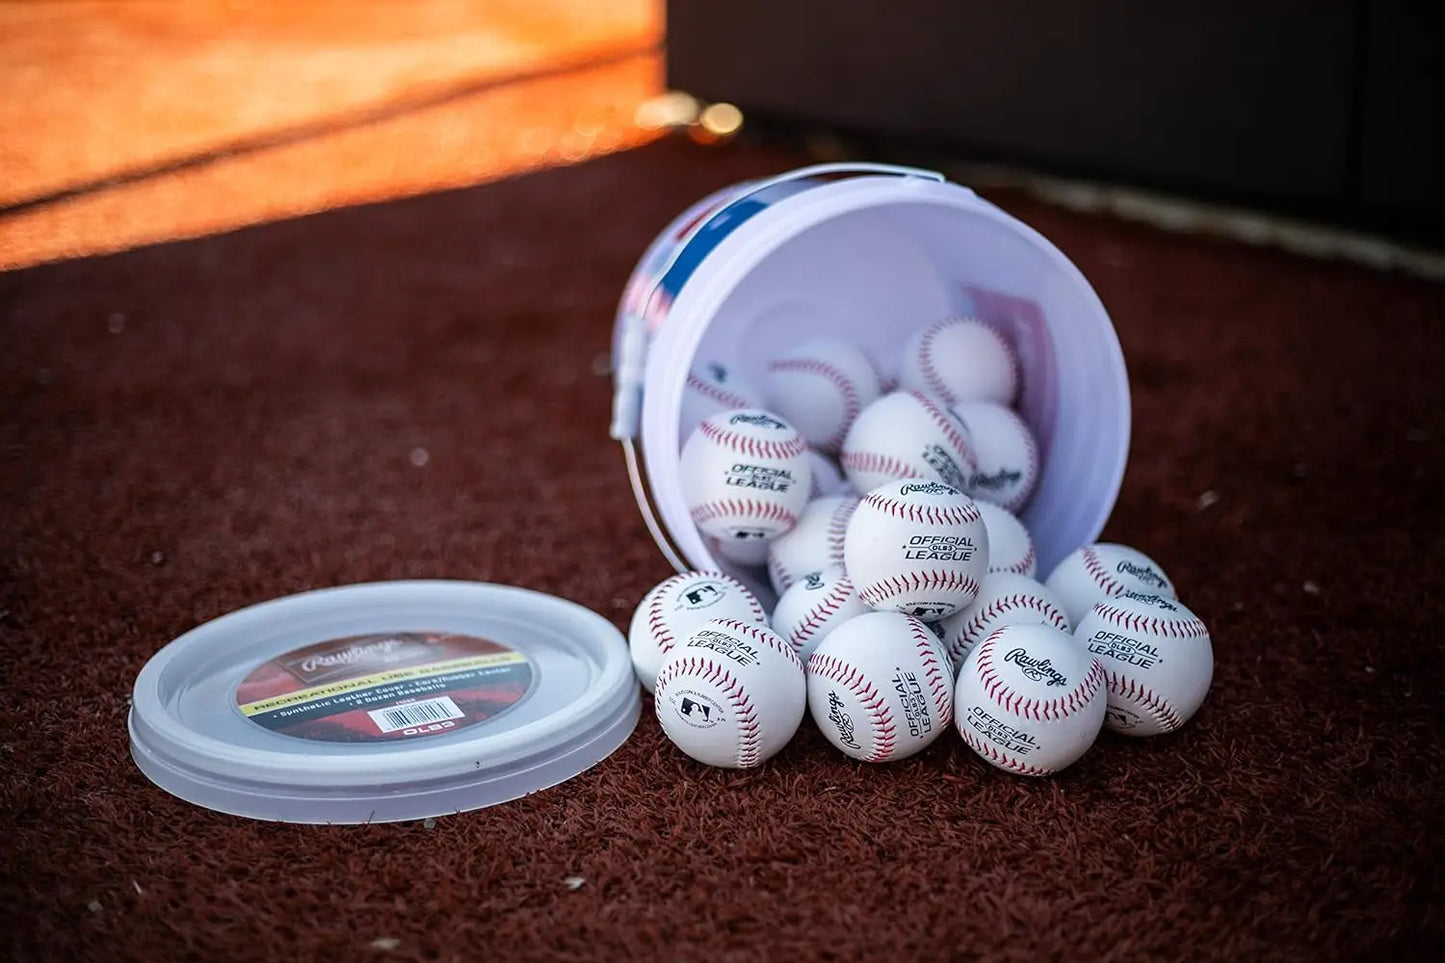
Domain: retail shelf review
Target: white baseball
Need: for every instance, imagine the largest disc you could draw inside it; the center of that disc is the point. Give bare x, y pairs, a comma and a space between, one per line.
1157, 657
821, 386
1005, 451
1010, 547
1004, 598
1030, 700
674, 607
828, 477
815, 542
879, 687
1104, 570
907, 435
961, 359
732, 695
917, 547
816, 604
745, 475
712, 388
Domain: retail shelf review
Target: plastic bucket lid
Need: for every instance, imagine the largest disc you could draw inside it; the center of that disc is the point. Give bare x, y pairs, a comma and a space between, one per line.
756, 268
383, 701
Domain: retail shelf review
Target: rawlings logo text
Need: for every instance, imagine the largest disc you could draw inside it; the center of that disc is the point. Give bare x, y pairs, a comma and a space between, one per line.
847, 735
1143, 573
926, 488
1036, 670
760, 420
379, 651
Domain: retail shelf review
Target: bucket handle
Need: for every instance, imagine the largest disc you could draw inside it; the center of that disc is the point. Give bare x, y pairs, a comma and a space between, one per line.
631, 361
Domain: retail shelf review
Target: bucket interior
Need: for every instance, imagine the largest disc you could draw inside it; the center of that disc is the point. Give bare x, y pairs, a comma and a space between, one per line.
874, 275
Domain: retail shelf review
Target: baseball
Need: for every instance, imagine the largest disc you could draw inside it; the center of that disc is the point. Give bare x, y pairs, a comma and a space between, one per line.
907, 435
1005, 452
732, 695
1010, 547
879, 688
816, 604
916, 547
1101, 571
820, 387
1030, 700
815, 542
961, 359
1157, 658
712, 388
1004, 598
745, 475
676, 606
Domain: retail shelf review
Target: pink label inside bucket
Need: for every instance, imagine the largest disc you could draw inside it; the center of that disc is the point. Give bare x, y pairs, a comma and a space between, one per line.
1022, 323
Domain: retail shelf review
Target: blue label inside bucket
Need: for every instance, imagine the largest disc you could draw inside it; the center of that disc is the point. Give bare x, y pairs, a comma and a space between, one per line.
716, 226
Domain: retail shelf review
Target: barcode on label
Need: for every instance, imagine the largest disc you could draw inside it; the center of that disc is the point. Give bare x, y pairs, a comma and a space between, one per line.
415, 714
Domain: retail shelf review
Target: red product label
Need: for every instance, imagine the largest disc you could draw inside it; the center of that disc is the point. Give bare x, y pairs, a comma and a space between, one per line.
385, 686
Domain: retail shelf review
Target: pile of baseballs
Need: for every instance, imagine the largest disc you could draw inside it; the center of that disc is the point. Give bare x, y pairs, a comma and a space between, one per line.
887, 522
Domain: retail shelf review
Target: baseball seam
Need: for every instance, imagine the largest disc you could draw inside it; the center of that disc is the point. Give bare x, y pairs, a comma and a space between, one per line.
841, 381
1169, 628
999, 757
814, 618
930, 374
754, 447
749, 735
1127, 688
1039, 710
717, 393
875, 463
875, 593
748, 508
838, 527
884, 731
923, 640
950, 431
764, 635
1004, 604
962, 514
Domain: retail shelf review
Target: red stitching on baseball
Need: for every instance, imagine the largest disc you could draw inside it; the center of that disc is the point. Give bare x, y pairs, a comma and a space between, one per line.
1059, 707
813, 620
878, 592
1103, 578
931, 377
747, 721
718, 393
1003, 604
838, 526
748, 508
873, 463
657, 620
1002, 758
765, 635
851, 404
756, 447
950, 431
1169, 628
923, 641
779, 575
884, 733
1127, 688
961, 514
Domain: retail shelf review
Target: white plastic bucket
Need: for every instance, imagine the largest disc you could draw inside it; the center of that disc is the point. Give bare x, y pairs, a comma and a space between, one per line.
753, 269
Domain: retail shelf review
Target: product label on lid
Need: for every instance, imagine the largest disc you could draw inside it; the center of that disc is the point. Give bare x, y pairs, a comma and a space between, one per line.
385, 686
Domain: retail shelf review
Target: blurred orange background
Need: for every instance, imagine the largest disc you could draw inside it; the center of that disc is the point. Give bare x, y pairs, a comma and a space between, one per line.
125, 122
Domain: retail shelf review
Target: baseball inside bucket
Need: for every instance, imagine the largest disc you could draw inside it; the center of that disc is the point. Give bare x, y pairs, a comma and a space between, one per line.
757, 268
